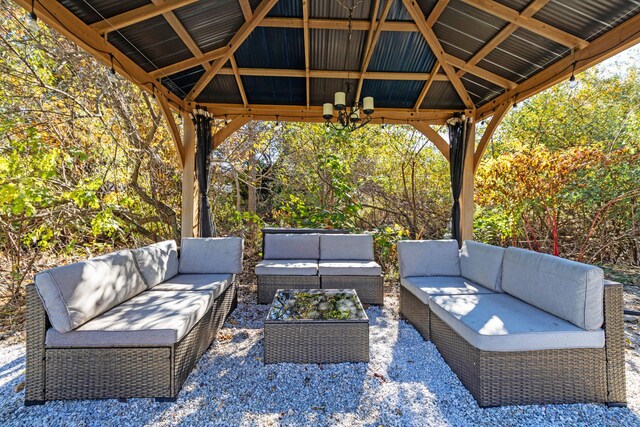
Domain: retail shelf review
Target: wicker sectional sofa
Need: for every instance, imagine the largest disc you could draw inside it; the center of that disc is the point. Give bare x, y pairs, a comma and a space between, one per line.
132, 323
516, 326
313, 261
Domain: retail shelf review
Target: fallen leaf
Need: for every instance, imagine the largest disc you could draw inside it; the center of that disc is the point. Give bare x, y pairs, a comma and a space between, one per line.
18, 388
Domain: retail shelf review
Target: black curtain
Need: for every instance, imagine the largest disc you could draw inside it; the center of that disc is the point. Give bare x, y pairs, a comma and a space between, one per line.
202, 121
458, 139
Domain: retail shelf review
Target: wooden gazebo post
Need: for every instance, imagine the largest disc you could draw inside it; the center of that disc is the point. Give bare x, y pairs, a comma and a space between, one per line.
189, 183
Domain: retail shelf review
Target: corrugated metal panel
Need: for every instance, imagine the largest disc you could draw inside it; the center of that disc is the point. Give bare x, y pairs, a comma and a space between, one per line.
287, 8
275, 90
522, 54
222, 89
182, 82
322, 90
442, 95
100, 8
397, 12
400, 52
518, 5
427, 6
463, 29
272, 48
328, 49
392, 93
587, 18
333, 10
211, 24
479, 89
150, 44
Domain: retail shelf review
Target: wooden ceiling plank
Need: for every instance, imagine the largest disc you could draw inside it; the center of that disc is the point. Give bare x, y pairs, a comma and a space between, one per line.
433, 136
337, 24
499, 114
372, 40
189, 63
427, 86
333, 74
436, 12
438, 51
235, 42
138, 15
236, 74
529, 23
480, 72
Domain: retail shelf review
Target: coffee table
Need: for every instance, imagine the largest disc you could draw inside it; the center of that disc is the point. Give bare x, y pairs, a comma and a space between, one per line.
316, 326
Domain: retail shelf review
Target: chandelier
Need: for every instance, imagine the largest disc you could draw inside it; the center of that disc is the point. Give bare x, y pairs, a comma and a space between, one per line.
349, 118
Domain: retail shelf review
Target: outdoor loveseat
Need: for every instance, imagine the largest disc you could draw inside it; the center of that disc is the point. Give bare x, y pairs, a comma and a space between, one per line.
327, 261
516, 326
132, 323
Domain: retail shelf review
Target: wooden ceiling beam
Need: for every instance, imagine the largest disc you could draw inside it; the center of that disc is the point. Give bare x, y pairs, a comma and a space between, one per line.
499, 114
333, 74
236, 74
182, 32
138, 15
189, 63
607, 45
337, 24
441, 144
222, 134
173, 128
427, 86
246, 9
529, 23
438, 51
480, 72
372, 40
235, 42
307, 66
436, 12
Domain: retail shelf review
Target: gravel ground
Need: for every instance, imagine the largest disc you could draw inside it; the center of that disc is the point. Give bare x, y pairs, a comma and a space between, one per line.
406, 383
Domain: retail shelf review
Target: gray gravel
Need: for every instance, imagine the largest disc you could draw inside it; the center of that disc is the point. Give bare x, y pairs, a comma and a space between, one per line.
406, 384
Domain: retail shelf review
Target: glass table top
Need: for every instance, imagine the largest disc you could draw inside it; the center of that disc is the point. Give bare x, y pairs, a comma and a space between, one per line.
317, 305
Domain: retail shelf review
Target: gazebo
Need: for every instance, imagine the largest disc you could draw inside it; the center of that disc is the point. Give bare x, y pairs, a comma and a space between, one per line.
423, 62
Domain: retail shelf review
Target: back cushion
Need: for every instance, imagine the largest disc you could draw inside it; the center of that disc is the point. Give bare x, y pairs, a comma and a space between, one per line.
211, 255
570, 290
357, 247
482, 264
157, 262
76, 293
291, 246
428, 258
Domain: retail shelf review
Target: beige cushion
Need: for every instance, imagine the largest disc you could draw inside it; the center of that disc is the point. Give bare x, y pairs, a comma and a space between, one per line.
424, 287
151, 318
76, 293
428, 258
570, 290
291, 246
349, 268
482, 263
215, 283
346, 247
500, 322
287, 267
211, 255
157, 262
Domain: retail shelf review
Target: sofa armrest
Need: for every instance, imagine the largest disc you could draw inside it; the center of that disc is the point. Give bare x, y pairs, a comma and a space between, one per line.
211, 255
614, 342
36, 328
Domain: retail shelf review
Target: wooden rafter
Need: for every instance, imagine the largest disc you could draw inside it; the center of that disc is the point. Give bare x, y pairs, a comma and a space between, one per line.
246, 9
182, 32
138, 15
620, 38
337, 24
332, 74
434, 137
236, 74
499, 114
372, 39
480, 72
55, 15
305, 21
173, 128
235, 124
529, 23
189, 63
427, 86
436, 12
438, 51
242, 34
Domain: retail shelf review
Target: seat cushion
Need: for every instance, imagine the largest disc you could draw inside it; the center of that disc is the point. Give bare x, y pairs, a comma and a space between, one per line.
570, 290
151, 318
211, 255
291, 246
482, 263
500, 322
428, 258
76, 293
346, 247
216, 283
287, 267
349, 268
427, 286
157, 262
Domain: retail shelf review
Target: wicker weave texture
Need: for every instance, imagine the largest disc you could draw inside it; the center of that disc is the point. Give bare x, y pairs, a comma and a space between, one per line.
316, 342
415, 312
269, 284
524, 377
369, 288
36, 328
614, 343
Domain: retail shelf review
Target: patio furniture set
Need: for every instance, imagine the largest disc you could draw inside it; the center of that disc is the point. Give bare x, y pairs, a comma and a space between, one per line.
516, 326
